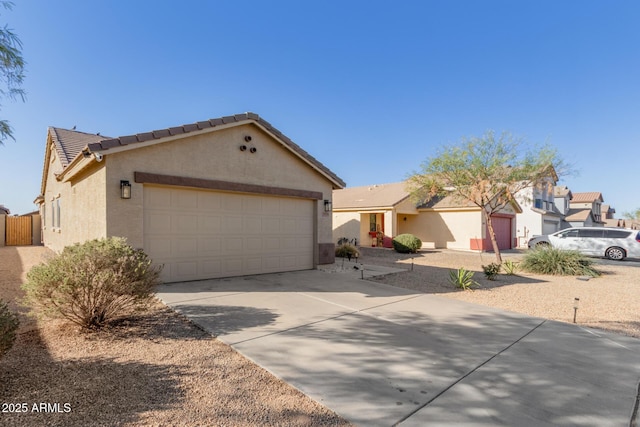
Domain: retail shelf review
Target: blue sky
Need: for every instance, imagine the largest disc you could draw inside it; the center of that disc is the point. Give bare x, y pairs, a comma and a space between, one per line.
370, 88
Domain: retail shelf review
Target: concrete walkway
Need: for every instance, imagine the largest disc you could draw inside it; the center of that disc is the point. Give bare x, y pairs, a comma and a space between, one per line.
380, 355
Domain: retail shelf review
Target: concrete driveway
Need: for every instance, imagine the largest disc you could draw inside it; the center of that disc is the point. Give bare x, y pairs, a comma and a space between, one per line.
380, 355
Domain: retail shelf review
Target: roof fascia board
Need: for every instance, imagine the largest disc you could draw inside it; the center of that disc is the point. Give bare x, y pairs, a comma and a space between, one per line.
364, 209
77, 165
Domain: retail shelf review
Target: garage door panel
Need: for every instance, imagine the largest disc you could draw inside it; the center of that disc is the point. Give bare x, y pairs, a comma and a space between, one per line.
209, 202
270, 225
186, 270
185, 247
233, 246
232, 203
159, 246
187, 224
209, 224
212, 268
232, 225
252, 225
232, 267
158, 222
201, 234
211, 246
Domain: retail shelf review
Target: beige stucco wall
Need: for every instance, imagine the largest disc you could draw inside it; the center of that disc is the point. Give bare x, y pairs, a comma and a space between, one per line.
215, 155
444, 229
346, 224
82, 206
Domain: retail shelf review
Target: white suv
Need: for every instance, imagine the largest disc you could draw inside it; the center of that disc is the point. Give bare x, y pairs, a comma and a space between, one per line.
612, 243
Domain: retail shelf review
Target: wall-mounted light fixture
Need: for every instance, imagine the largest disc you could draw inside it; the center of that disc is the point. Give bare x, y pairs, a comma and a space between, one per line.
327, 206
125, 190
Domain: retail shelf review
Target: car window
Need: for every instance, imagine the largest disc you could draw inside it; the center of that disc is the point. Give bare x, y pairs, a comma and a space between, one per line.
590, 233
569, 233
617, 234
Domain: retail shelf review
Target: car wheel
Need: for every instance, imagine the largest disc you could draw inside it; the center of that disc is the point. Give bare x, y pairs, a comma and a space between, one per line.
615, 253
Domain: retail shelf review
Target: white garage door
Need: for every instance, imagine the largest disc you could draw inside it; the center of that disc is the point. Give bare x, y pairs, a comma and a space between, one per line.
205, 234
549, 227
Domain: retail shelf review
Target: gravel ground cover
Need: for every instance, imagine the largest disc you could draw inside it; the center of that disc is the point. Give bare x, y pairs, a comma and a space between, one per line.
608, 302
155, 368
152, 369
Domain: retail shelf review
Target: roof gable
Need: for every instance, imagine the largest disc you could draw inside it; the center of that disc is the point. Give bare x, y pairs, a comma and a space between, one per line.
370, 196
69, 143
122, 143
578, 215
589, 197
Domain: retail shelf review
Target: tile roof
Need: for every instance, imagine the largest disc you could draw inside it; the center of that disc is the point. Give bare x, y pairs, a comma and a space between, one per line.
587, 197
561, 191
370, 196
69, 143
450, 201
578, 214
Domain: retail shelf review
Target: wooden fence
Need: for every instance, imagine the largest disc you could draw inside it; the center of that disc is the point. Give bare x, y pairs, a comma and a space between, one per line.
18, 230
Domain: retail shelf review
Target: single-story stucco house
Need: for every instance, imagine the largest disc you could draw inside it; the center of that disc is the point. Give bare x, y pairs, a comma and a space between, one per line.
224, 197
360, 212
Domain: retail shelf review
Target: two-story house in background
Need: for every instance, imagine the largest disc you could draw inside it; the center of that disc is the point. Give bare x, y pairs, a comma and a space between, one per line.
539, 214
585, 210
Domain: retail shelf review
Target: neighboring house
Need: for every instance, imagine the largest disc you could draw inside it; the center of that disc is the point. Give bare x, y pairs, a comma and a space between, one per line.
440, 223
4, 210
608, 214
224, 197
359, 213
585, 210
539, 213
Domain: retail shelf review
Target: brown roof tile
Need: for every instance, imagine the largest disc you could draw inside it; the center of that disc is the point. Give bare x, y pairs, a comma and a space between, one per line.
75, 141
587, 197
69, 143
578, 215
370, 196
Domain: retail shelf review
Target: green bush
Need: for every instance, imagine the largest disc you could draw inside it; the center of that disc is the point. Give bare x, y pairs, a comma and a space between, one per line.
347, 250
462, 279
548, 260
406, 243
510, 267
491, 270
8, 326
92, 283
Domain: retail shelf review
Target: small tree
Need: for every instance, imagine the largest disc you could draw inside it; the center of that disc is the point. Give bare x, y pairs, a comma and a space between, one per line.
632, 215
11, 70
92, 283
487, 171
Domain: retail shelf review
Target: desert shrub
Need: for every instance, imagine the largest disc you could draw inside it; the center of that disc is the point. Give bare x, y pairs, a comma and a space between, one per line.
92, 283
548, 260
8, 326
406, 243
462, 279
491, 270
510, 267
346, 250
